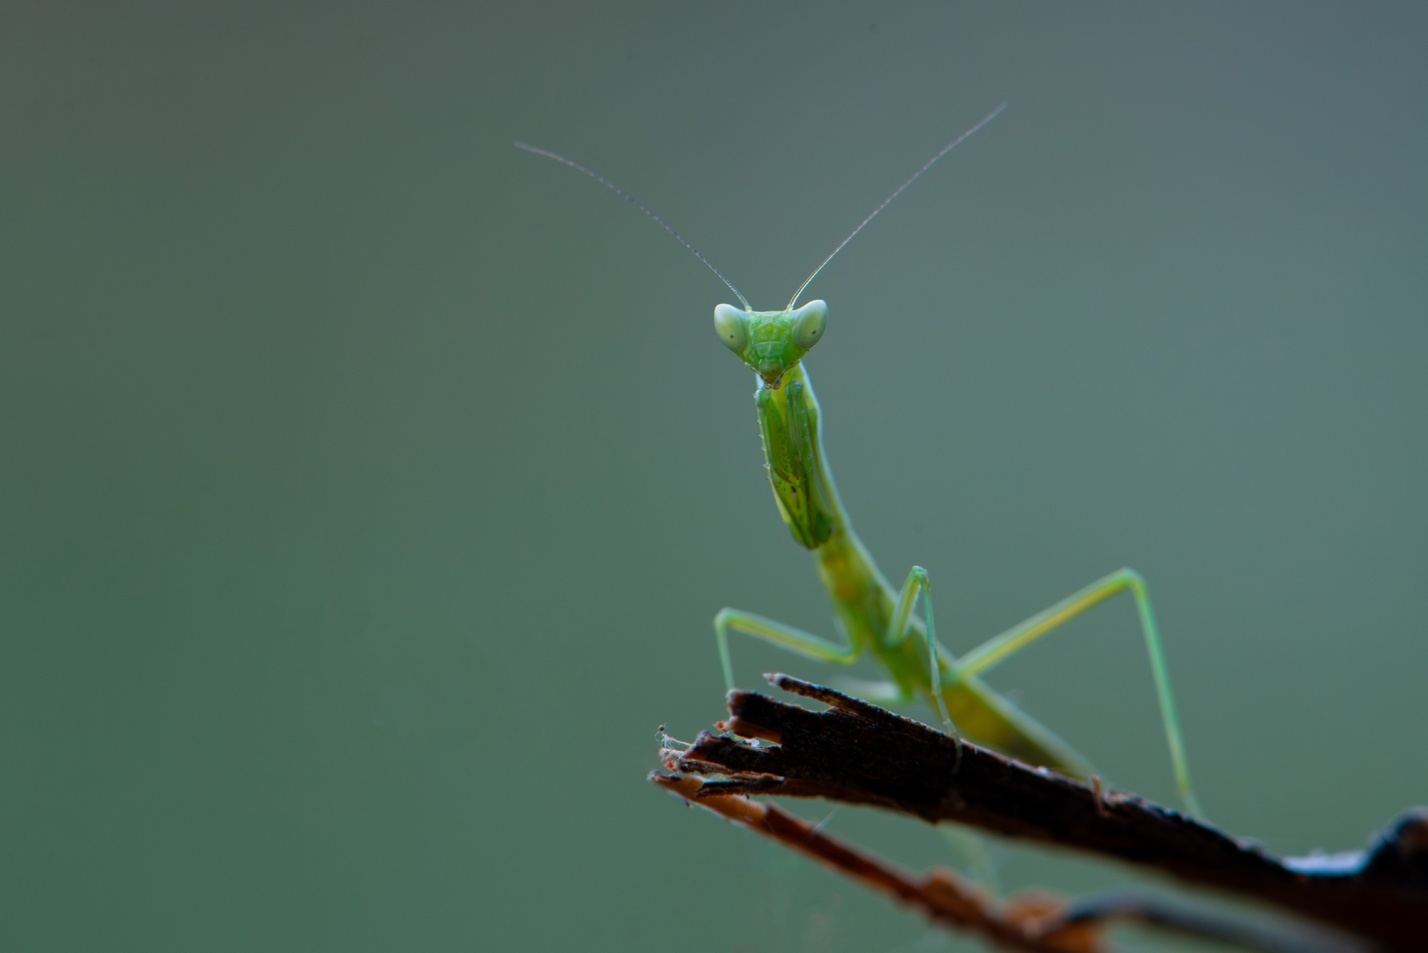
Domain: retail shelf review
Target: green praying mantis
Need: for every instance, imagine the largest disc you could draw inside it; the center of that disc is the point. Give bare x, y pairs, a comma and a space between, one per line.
875, 617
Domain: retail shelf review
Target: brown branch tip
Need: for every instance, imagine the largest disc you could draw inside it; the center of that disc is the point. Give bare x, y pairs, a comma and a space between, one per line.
857, 753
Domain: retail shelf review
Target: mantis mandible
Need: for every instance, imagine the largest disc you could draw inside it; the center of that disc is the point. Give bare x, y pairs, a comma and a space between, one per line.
875, 617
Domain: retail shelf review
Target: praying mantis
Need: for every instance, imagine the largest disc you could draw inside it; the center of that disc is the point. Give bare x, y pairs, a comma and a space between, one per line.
875, 618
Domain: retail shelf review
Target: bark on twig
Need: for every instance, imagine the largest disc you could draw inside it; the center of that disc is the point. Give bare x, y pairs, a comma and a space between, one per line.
858, 753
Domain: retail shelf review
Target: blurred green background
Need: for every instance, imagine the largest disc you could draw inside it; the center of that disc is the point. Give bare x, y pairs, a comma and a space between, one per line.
369, 485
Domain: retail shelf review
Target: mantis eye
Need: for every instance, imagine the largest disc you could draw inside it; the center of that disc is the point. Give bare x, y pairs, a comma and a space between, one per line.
808, 325
729, 325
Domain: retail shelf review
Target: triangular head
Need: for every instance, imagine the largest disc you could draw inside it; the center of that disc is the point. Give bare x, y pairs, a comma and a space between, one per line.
771, 343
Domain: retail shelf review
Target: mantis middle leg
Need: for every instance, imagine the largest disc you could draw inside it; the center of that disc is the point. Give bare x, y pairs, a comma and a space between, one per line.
795, 640
1001, 647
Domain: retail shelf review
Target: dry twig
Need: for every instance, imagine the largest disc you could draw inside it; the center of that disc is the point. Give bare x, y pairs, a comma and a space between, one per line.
858, 753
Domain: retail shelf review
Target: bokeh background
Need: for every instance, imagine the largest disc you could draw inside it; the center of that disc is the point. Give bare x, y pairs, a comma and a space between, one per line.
369, 485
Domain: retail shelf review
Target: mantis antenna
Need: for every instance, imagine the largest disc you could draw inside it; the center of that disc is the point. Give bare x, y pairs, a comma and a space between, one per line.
896, 192
650, 212
709, 264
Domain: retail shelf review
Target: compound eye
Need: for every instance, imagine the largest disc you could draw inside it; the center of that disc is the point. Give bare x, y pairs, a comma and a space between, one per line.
729, 325
808, 324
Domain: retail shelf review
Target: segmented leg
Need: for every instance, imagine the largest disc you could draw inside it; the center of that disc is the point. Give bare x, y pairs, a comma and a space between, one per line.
917, 584
804, 643
1003, 646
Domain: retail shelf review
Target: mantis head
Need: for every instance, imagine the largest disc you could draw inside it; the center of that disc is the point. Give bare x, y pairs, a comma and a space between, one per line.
771, 343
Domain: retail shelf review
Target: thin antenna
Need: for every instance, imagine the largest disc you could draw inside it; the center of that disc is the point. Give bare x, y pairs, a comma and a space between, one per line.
945, 149
643, 208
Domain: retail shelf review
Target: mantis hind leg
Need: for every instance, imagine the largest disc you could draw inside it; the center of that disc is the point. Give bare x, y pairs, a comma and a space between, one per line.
786, 636
1003, 646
